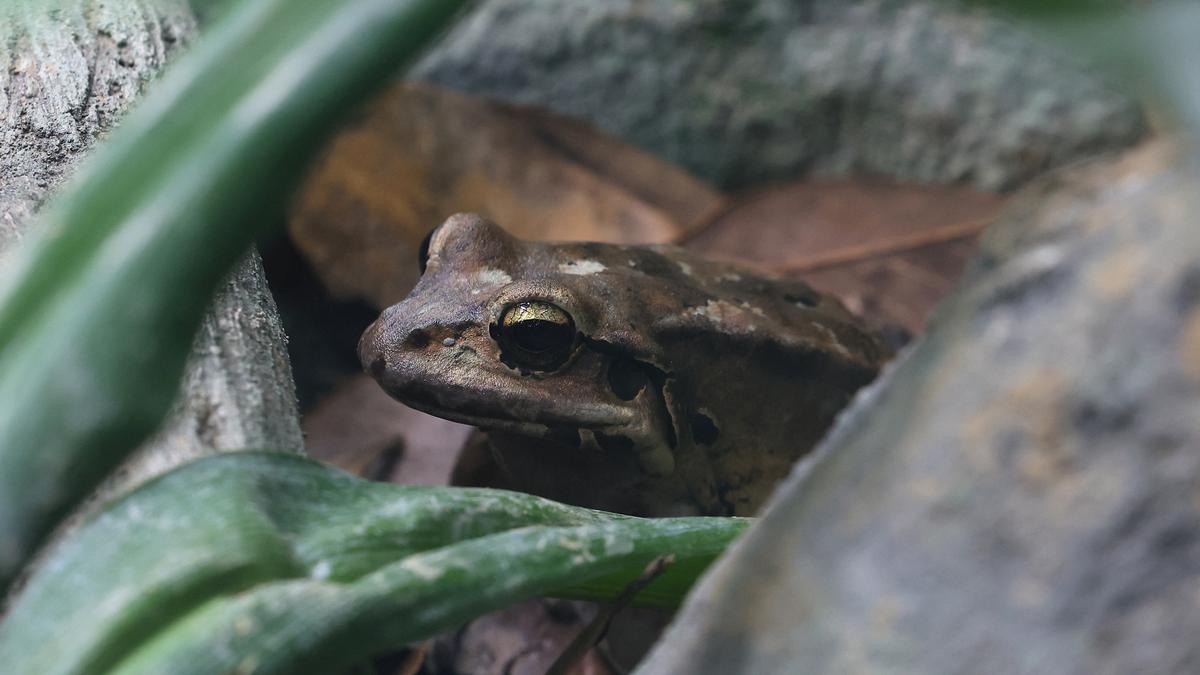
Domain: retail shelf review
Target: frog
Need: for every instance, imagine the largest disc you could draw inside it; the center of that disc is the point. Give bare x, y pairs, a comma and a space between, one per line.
641, 379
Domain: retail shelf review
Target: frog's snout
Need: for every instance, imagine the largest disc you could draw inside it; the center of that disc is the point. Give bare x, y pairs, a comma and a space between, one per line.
380, 358
370, 353
395, 350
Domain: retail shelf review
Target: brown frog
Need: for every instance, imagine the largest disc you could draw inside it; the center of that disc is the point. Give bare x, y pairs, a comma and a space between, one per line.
640, 379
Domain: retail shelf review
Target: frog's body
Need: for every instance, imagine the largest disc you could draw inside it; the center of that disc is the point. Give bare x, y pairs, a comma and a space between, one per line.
631, 378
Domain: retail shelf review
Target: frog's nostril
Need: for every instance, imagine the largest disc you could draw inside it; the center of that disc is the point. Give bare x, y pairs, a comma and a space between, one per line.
417, 339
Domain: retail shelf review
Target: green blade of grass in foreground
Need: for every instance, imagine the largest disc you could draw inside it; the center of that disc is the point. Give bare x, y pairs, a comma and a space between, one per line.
98, 315
277, 564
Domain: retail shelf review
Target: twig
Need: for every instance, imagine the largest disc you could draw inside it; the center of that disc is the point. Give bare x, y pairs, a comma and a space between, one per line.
704, 223
879, 249
412, 663
595, 631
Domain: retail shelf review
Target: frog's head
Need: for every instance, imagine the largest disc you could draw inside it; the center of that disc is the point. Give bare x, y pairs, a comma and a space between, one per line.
542, 340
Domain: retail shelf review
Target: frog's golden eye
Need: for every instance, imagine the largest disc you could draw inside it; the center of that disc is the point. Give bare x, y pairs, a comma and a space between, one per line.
536, 335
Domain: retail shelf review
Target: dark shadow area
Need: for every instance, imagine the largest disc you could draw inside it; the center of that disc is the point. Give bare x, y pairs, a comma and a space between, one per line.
322, 330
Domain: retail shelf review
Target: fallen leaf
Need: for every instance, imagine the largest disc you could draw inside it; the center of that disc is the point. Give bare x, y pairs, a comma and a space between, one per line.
419, 154
889, 250
358, 424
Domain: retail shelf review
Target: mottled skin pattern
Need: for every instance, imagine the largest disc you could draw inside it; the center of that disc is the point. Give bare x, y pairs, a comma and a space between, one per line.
691, 386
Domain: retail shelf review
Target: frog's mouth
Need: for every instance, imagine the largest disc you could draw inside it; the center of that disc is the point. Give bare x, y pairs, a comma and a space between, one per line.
490, 418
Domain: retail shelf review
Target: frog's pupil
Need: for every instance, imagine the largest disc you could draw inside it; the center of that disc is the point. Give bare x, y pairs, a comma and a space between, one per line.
539, 335
535, 335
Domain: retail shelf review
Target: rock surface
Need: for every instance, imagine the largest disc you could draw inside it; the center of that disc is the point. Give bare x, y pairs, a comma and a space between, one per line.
1020, 494
70, 69
747, 91
237, 392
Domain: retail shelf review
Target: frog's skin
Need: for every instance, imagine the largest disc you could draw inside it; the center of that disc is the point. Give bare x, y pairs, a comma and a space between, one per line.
687, 386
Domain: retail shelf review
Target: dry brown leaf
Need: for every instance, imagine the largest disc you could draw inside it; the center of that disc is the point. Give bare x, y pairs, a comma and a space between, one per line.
358, 424
890, 251
420, 153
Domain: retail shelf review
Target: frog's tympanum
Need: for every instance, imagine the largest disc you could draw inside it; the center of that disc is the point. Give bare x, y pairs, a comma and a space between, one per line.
640, 379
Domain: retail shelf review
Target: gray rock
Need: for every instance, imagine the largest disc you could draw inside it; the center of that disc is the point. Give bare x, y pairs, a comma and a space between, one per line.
1019, 495
70, 69
747, 91
237, 392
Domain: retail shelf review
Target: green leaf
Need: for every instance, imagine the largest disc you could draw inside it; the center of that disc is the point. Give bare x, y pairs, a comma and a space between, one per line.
285, 564
97, 319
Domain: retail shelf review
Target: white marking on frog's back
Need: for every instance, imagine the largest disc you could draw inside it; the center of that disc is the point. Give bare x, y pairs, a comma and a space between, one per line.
582, 267
753, 309
727, 314
492, 276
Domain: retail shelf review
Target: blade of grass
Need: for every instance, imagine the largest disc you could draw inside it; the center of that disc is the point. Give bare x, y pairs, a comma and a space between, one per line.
282, 562
97, 319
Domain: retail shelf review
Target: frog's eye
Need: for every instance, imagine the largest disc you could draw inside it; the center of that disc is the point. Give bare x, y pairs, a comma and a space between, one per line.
536, 335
